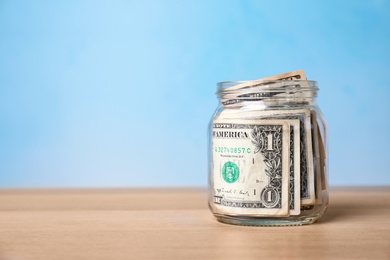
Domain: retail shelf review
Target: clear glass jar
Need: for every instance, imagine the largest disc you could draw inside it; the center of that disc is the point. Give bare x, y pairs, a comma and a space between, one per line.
268, 160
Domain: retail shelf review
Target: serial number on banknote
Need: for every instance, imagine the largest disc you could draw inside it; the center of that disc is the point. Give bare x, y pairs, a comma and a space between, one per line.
238, 150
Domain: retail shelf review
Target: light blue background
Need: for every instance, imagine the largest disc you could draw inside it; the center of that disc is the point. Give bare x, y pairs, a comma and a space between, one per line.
119, 93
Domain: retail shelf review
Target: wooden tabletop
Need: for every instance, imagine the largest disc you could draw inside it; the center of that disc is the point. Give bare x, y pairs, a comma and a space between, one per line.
176, 224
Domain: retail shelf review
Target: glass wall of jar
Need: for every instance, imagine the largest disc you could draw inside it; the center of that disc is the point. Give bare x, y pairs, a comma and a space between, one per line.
268, 159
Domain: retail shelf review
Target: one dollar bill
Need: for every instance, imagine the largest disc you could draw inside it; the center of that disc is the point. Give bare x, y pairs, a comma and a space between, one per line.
251, 166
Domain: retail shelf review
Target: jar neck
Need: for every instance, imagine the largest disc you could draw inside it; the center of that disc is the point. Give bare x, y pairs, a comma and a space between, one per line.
276, 93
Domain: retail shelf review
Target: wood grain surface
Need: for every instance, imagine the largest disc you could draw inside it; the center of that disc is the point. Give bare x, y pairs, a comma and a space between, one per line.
176, 224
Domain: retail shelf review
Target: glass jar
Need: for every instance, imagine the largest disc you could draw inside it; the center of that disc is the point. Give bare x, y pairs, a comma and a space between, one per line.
268, 160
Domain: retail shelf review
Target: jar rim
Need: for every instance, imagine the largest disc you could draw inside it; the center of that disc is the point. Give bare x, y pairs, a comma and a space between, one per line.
267, 85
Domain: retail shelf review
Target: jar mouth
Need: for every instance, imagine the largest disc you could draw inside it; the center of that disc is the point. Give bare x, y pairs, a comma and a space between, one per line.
239, 86
233, 92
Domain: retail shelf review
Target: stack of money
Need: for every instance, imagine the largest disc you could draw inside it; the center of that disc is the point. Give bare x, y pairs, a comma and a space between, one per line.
266, 161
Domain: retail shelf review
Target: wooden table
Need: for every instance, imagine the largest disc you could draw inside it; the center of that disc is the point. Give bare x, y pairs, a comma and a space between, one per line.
176, 224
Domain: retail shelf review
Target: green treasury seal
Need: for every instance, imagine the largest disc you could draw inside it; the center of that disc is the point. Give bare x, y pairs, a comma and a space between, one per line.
230, 172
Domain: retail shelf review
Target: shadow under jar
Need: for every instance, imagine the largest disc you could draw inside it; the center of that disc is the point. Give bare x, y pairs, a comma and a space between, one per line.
267, 154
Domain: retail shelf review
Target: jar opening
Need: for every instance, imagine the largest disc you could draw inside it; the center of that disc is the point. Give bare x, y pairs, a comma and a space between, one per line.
236, 85
233, 92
